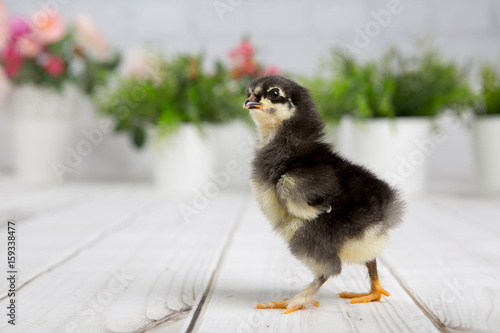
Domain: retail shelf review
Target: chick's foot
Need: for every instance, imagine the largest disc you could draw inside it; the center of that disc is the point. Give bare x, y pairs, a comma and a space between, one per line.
373, 296
290, 305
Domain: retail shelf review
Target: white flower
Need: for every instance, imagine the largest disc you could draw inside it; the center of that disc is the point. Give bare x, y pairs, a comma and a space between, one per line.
91, 40
142, 64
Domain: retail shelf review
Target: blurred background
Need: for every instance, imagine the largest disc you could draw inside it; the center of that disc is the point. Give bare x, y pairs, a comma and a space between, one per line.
151, 91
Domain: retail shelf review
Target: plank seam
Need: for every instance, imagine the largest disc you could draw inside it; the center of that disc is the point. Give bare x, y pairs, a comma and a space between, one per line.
236, 224
175, 316
426, 311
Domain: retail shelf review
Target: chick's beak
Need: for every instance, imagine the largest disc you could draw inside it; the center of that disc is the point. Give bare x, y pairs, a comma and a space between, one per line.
252, 105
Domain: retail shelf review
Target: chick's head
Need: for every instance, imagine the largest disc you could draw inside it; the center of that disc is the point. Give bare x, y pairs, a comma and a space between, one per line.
274, 99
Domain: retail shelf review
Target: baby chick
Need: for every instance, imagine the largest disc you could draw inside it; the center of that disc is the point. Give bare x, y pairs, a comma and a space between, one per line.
328, 210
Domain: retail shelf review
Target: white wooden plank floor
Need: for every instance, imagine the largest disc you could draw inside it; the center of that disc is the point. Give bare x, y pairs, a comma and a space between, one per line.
121, 258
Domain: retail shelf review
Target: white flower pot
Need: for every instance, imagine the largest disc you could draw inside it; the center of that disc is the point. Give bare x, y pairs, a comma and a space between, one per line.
43, 126
332, 134
233, 146
487, 146
396, 150
183, 161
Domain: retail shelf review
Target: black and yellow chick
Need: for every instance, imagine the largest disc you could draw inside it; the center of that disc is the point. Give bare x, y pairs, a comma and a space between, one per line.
329, 210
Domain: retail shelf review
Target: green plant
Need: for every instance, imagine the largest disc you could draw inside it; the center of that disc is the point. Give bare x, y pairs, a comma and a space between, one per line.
346, 86
425, 83
397, 86
179, 91
490, 94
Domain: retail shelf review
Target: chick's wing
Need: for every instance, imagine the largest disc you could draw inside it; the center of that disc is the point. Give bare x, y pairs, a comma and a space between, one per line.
308, 191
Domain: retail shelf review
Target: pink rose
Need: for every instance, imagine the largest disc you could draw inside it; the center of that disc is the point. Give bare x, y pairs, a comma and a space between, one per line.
244, 51
48, 27
55, 66
13, 61
18, 27
28, 47
90, 39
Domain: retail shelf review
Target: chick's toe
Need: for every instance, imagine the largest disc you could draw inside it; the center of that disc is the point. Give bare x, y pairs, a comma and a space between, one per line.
290, 305
373, 296
274, 305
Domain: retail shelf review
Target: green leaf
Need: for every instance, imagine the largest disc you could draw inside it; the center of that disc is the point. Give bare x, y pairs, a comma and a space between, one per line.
139, 136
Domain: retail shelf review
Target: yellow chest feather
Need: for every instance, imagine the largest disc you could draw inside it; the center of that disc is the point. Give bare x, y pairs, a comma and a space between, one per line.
282, 221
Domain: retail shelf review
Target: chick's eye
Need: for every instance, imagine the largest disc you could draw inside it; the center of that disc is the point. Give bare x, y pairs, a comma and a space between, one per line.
275, 94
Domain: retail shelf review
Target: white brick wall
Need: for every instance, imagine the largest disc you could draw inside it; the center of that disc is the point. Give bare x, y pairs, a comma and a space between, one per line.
294, 35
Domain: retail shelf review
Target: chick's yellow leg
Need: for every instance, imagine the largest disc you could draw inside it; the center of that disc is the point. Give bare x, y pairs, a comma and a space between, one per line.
376, 290
299, 302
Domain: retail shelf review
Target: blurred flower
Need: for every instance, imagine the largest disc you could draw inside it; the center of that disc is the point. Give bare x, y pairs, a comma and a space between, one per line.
28, 47
3, 27
244, 63
245, 68
90, 40
12, 60
18, 27
243, 51
142, 64
271, 70
242, 57
48, 27
55, 66
43, 51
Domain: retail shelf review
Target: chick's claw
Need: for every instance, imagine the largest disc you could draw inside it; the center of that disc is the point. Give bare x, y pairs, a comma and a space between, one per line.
288, 304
